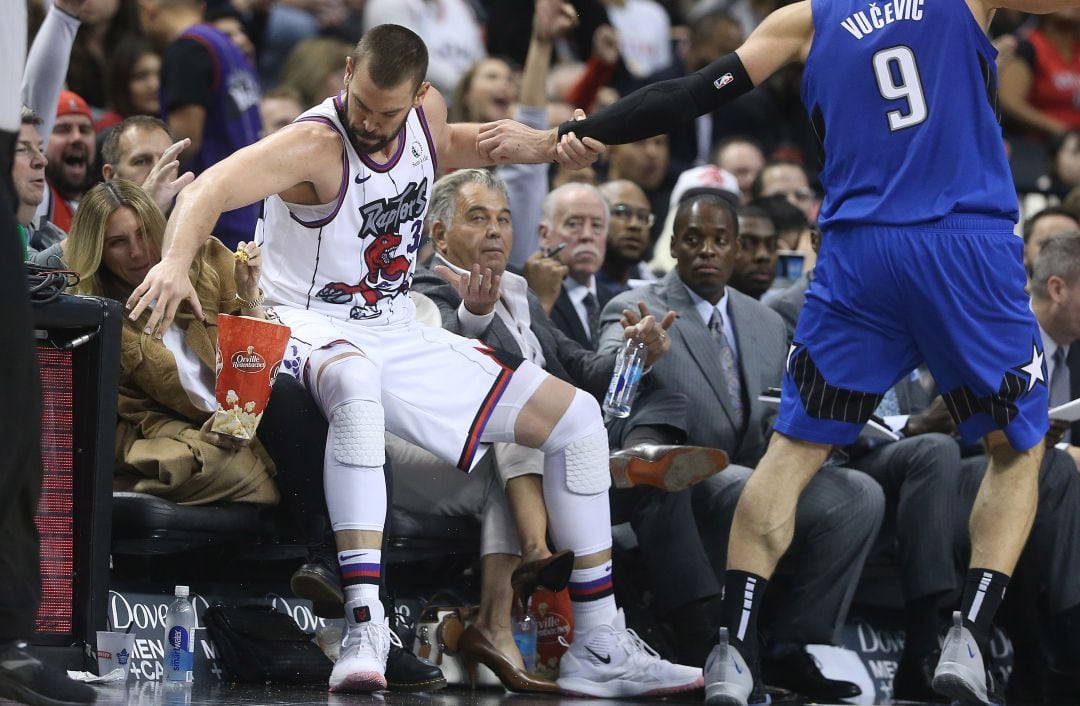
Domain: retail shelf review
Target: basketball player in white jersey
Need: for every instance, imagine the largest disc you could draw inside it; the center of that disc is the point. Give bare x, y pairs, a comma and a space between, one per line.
346, 189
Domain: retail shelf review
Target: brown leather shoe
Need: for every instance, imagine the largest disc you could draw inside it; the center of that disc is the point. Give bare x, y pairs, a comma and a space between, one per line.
474, 648
669, 468
321, 585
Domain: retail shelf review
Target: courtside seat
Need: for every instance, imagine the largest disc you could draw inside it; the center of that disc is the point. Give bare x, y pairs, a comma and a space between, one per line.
145, 524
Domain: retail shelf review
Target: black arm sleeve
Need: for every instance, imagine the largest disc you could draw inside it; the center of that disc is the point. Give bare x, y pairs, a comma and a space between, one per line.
663, 106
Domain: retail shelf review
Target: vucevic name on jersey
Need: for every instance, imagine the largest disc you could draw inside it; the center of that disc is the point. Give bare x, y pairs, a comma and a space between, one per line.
353, 258
903, 96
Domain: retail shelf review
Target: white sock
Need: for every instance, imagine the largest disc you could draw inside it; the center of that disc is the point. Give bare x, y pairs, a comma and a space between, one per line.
592, 597
361, 570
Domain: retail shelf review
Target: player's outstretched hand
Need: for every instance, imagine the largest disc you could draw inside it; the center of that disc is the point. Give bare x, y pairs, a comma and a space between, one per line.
510, 142
166, 286
574, 153
479, 290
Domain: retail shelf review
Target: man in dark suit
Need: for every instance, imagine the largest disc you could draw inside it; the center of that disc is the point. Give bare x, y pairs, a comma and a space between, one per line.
726, 349
575, 218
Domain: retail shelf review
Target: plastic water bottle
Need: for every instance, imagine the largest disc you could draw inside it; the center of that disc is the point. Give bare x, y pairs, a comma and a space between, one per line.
629, 366
524, 631
180, 638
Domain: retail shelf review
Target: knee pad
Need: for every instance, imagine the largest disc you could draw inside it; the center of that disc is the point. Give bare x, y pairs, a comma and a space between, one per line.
582, 418
581, 437
587, 470
357, 428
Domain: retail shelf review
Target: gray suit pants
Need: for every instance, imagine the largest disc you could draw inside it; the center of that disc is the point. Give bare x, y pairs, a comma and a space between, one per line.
836, 522
921, 479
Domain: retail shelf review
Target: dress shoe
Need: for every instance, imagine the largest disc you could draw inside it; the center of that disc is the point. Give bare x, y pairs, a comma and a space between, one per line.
474, 648
669, 468
552, 574
407, 672
28, 680
799, 671
319, 581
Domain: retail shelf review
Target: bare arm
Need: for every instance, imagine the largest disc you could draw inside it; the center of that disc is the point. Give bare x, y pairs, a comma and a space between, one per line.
781, 38
304, 154
456, 144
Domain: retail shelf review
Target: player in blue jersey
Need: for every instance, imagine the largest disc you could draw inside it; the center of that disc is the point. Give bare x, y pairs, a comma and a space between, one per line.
918, 263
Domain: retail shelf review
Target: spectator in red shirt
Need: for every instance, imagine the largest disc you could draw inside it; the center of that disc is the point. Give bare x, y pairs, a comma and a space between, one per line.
1040, 91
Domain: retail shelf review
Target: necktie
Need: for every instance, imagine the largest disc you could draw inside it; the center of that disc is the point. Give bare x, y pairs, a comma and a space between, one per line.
1059, 381
1060, 384
727, 363
592, 310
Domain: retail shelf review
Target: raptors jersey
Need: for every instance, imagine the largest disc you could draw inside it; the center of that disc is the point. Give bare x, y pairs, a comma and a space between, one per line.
353, 258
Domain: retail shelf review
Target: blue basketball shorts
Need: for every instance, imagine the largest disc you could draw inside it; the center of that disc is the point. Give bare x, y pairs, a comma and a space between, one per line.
884, 299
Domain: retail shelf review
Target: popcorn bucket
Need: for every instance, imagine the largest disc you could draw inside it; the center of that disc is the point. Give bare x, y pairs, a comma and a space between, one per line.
554, 619
248, 355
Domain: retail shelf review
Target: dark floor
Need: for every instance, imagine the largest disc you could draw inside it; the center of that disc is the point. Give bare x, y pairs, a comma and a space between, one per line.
155, 694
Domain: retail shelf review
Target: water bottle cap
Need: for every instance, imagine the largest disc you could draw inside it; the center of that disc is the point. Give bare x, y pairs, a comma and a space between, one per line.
181, 592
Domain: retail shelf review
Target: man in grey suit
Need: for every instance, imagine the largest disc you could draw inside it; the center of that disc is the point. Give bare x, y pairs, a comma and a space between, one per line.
726, 349
495, 306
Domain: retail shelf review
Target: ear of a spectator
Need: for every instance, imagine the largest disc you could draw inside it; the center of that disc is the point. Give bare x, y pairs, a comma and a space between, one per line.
438, 236
108, 172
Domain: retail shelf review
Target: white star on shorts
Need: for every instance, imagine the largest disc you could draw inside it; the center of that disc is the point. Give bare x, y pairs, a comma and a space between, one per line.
1034, 368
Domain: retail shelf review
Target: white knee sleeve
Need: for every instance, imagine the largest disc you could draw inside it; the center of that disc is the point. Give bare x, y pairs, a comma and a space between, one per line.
347, 389
358, 438
355, 496
580, 434
579, 522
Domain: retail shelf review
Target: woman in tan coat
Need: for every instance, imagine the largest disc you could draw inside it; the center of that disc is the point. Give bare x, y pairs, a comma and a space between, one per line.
164, 445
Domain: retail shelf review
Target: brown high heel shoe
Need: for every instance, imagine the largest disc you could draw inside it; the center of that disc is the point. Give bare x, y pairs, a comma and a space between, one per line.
552, 574
474, 648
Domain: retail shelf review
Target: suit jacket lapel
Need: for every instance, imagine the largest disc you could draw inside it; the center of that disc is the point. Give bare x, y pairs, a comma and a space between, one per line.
699, 342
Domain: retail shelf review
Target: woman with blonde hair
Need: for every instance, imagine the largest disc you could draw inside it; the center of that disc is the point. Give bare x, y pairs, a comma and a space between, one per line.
164, 445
